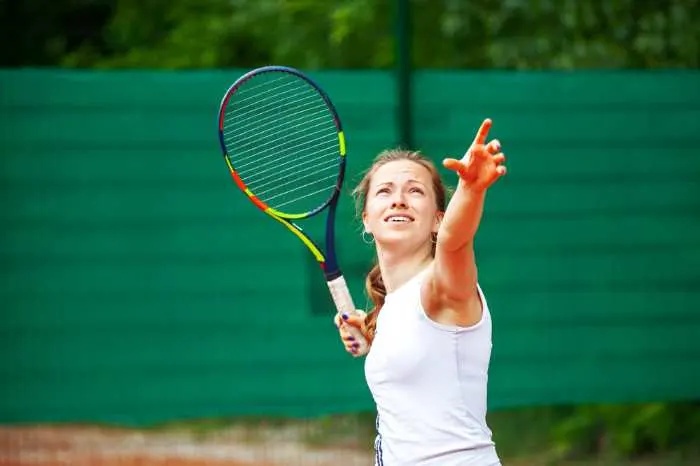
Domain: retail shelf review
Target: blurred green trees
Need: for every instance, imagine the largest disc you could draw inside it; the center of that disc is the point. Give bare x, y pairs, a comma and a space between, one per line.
512, 34
625, 431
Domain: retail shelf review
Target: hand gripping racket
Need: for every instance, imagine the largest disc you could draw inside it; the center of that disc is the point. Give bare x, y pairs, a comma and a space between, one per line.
284, 145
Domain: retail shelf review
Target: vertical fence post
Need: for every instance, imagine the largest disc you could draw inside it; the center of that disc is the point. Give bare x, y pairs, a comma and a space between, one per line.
403, 73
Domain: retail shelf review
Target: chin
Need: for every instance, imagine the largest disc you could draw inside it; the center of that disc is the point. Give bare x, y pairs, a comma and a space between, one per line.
398, 239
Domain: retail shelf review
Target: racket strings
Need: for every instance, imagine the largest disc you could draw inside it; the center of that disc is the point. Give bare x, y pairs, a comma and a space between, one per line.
298, 198
255, 134
285, 167
273, 93
272, 116
237, 112
271, 112
257, 104
298, 188
270, 163
283, 142
304, 144
297, 171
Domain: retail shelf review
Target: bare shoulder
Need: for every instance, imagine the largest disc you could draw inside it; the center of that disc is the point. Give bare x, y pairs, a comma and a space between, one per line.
441, 307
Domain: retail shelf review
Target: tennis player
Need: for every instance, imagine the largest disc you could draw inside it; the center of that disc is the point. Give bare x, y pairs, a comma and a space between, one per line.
430, 328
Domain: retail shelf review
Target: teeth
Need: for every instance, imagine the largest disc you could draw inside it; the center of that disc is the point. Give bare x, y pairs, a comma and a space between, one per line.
399, 219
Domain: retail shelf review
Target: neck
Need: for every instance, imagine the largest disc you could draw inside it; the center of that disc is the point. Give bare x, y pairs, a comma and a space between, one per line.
398, 267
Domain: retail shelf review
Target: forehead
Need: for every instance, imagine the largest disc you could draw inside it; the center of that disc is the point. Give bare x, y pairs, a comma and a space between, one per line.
401, 171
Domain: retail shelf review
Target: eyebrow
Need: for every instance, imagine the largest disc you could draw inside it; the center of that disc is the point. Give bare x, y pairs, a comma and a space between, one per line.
391, 183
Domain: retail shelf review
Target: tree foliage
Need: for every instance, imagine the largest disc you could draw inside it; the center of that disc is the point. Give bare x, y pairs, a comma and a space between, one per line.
626, 431
477, 34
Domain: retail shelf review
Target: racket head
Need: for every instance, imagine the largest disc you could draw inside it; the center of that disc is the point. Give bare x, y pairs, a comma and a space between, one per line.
283, 141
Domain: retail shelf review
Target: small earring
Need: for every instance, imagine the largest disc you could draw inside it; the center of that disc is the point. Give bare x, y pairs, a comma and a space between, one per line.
433, 238
367, 238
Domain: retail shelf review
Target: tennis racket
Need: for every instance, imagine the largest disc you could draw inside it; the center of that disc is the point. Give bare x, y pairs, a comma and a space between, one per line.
284, 145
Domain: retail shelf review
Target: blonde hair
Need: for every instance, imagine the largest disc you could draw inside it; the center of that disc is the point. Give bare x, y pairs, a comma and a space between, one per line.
374, 284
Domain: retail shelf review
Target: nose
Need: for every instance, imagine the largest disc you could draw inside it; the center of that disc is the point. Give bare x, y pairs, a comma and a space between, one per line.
397, 200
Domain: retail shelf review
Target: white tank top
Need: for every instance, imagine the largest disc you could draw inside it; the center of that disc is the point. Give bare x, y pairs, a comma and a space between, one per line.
428, 381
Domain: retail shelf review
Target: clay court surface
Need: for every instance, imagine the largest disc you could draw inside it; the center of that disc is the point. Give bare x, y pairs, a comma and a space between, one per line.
87, 445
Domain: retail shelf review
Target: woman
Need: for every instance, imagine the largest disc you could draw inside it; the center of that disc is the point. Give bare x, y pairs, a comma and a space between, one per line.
430, 329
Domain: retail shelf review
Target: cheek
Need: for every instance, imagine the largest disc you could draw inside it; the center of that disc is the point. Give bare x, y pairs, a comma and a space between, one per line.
370, 215
374, 216
373, 210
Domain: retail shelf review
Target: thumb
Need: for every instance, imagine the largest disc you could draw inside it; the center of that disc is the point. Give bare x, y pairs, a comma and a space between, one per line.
456, 166
452, 164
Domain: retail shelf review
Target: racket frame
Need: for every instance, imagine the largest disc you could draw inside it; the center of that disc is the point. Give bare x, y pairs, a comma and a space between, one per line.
327, 258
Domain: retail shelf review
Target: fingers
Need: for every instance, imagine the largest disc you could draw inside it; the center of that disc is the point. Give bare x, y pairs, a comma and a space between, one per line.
493, 147
356, 319
483, 132
499, 158
352, 349
347, 325
346, 335
483, 163
349, 342
460, 167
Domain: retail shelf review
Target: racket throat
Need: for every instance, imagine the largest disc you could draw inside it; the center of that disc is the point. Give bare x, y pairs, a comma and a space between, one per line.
332, 274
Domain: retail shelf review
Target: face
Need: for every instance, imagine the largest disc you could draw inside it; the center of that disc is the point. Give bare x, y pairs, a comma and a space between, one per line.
400, 205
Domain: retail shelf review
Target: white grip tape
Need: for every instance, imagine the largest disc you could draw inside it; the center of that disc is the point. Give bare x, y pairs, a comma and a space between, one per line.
344, 304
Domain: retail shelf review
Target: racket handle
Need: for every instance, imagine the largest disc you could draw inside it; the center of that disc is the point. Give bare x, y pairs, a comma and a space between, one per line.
344, 304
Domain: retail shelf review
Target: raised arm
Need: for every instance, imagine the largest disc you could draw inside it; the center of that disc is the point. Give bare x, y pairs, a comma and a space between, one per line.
450, 295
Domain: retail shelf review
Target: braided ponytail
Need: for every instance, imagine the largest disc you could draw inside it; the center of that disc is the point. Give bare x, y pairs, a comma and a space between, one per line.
376, 292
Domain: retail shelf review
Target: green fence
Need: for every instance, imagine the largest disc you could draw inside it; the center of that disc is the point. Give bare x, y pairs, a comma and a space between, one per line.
139, 285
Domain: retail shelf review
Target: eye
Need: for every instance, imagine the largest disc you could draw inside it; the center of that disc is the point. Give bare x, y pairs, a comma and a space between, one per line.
383, 190
416, 190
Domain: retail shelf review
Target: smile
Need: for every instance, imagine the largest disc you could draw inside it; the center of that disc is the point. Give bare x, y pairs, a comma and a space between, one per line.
396, 218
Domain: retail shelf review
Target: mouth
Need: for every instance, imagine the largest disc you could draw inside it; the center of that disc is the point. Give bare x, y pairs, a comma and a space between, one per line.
399, 218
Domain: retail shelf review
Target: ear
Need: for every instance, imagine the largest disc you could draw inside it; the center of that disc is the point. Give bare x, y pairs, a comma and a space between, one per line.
438, 220
364, 223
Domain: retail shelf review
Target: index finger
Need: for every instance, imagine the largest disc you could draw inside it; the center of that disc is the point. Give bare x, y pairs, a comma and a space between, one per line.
354, 319
483, 131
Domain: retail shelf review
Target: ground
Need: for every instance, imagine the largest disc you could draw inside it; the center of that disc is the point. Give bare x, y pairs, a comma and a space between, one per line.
330, 442
100, 446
